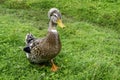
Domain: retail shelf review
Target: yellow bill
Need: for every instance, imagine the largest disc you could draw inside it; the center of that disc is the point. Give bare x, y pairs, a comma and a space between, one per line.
60, 23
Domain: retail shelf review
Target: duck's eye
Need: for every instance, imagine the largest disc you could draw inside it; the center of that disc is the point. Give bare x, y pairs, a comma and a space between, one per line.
55, 15
54, 19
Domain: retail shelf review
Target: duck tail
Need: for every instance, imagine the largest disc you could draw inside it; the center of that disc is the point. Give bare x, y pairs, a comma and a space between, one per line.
28, 40
26, 49
29, 37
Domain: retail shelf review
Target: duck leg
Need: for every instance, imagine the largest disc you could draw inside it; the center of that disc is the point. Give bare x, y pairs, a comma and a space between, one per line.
54, 67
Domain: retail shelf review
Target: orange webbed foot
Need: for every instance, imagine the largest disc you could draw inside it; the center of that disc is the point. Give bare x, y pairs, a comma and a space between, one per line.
54, 67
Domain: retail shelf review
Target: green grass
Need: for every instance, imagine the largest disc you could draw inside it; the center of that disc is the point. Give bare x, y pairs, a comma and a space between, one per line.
90, 41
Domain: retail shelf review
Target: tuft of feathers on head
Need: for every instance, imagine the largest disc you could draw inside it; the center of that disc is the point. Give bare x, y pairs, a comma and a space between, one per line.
51, 11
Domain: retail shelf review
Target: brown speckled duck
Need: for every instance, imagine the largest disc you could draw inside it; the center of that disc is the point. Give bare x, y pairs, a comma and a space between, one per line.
40, 50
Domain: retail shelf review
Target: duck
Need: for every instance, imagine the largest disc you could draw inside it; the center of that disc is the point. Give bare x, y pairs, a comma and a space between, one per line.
40, 50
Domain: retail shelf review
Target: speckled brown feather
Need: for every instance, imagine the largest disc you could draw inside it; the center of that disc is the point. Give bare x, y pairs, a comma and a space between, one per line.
45, 49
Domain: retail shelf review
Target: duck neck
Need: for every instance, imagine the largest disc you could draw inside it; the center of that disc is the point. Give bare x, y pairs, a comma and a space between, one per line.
52, 27
52, 35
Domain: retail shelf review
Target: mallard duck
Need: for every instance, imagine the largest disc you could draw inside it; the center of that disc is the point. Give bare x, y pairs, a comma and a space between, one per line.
40, 50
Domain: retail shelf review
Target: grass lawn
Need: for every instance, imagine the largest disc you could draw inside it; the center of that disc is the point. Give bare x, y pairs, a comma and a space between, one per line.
90, 41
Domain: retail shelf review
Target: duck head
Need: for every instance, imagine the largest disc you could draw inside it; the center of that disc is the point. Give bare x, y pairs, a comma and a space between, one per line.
55, 17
